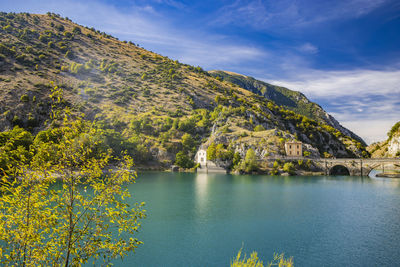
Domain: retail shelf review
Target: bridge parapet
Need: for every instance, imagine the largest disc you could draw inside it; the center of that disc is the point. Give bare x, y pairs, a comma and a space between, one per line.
355, 166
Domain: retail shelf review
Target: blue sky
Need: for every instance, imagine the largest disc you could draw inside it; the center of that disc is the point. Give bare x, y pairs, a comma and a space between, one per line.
344, 55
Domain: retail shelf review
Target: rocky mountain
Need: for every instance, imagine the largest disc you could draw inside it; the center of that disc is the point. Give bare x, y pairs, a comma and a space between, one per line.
289, 99
148, 104
389, 148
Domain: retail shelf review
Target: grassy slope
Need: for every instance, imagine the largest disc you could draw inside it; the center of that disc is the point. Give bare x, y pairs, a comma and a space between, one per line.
121, 83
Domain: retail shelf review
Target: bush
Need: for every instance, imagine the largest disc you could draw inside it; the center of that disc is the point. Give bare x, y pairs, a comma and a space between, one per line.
188, 142
289, 168
24, 98
77, 68
60, 27
259, 128
77, 30
250, 161
182, 160
51, 44
68, 55
68, 34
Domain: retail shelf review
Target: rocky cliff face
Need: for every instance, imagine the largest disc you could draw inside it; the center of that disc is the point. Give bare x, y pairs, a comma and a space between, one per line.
394, 146
388, 148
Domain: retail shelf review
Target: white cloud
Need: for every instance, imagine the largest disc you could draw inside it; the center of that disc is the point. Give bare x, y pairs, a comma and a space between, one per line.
308, 48
344, 83
365, 101
275, 15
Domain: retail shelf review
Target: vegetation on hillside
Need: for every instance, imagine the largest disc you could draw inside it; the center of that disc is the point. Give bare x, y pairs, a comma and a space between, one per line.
153, 107
284, 97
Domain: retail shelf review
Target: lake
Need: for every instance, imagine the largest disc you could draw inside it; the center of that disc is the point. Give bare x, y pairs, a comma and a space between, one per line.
203, 220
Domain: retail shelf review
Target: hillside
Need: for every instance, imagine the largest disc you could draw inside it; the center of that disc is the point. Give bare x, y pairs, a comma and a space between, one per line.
388, 148
292, 100
148, 104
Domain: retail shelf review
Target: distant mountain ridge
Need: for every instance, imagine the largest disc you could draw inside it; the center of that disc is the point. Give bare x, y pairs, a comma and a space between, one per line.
282, 96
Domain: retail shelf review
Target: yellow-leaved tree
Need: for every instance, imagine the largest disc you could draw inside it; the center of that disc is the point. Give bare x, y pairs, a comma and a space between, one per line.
66, 206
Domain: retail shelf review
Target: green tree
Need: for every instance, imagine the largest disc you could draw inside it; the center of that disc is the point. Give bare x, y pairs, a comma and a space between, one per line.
236, 159
211, 152
83, 216
188, 142
249, 164
289, 168
182, 160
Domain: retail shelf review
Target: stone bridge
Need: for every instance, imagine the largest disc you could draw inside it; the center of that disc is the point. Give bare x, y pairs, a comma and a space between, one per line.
349, 166
356, 167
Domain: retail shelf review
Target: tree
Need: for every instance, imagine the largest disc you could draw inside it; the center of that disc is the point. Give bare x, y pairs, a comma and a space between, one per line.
188, 142
45, 221
236, 159
288, 167
211, 152
250, 161
182, 160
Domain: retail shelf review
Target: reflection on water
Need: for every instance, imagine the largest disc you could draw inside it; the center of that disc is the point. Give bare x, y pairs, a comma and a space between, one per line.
201, 181
203, 219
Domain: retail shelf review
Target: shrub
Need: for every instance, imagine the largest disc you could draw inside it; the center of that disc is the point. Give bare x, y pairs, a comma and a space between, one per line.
68, 35
43, 38
7, 28
24, 98
250, 161
288, 167
188, 142
77, 30
60, 27
259, 128
68, 55
182, 160
6, 51
76, 68
211, 152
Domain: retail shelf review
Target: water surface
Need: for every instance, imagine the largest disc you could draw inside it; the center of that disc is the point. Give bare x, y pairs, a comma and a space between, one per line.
203, 220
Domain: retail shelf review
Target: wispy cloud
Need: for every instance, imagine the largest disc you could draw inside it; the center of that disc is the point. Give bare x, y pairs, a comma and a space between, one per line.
308, 48
345, 83
363, 100
274, 15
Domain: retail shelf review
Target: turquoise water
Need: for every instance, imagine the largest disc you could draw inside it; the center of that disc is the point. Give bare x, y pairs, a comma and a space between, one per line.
203, 220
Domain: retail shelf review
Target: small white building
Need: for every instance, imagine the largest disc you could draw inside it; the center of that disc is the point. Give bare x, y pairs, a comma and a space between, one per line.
201, 156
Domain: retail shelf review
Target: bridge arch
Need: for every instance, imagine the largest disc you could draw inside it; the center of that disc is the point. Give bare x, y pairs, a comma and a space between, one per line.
370, 168
339, 170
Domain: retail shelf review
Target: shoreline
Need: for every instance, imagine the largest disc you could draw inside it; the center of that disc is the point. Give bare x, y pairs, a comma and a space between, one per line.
388, 175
